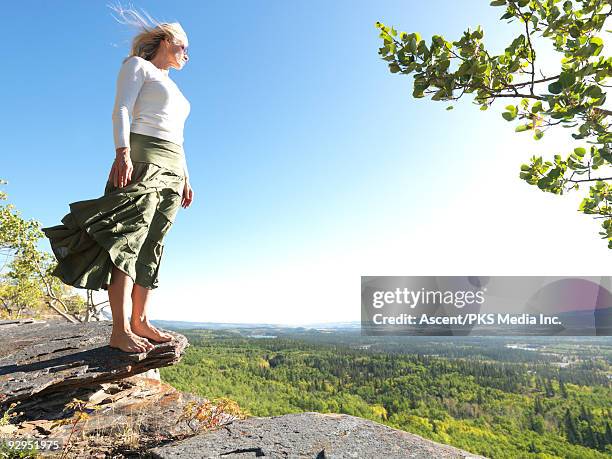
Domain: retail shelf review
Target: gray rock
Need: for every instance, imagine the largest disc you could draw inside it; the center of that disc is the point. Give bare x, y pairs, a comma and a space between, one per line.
44, 365
41, 357
307, 435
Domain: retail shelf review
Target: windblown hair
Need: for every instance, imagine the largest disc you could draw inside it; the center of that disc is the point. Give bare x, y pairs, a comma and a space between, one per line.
152, 32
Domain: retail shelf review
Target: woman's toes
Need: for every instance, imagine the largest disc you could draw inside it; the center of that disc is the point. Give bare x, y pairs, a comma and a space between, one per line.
143, 343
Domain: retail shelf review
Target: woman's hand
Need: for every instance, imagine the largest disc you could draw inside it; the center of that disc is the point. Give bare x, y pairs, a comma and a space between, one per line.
121, 172
187, 194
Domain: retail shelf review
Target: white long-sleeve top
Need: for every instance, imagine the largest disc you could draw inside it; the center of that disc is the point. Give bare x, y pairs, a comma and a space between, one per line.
155, 103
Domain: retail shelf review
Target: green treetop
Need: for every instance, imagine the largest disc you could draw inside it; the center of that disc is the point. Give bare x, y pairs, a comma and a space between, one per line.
572, 97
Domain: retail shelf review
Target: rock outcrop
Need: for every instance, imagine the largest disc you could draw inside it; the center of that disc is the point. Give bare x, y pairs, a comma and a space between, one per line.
308, 435
124, 418
42, 357
124, 410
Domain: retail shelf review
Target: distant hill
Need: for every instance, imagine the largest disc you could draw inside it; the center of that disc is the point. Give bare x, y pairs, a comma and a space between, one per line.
183, 325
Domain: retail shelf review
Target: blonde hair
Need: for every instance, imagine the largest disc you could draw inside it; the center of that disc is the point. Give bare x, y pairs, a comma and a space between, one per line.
152, 32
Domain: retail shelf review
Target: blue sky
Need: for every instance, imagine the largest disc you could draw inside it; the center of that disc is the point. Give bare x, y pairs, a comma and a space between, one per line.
311, 164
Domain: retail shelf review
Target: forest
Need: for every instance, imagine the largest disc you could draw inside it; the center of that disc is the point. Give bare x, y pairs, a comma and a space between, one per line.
547, 399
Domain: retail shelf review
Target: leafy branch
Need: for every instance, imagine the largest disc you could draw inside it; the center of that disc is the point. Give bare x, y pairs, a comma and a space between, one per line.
572, 98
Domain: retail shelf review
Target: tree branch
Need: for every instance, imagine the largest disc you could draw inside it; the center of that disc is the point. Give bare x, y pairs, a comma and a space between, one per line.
60, 312
532, 61
543, 80
590, 179
54, 298
526, 96
601, 111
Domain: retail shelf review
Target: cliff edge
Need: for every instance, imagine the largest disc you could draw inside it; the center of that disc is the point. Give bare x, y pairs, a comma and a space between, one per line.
62, 381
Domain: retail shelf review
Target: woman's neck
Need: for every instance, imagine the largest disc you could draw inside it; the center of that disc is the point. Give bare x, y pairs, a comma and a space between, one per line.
160, 66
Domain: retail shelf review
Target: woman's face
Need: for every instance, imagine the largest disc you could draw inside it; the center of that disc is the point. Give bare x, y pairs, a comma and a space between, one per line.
177, 52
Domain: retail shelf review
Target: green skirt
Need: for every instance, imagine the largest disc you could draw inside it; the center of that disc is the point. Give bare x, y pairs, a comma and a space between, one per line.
125, 227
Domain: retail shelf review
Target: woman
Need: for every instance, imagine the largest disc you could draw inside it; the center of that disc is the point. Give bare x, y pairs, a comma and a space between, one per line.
115, 242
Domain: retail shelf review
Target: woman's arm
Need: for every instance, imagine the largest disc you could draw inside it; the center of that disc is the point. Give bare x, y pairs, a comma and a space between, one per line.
185, 167
187, 197
129, 82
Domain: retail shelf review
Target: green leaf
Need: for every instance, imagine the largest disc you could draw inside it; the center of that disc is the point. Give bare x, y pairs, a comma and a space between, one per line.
555, 88
450, 107
498, 3
422, 49
544, 183
606, 154
538, 134
412, 45
566, 79
439, 95
574, 31
522, 127
513, 109
580, 152
593, 91
508, 116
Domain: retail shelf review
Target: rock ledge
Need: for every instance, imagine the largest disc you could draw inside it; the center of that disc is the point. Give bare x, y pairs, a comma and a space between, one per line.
307, 435
42, 357
45, 365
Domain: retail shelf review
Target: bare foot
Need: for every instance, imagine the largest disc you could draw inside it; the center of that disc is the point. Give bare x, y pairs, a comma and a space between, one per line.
147, 330
142, 341
129, 342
